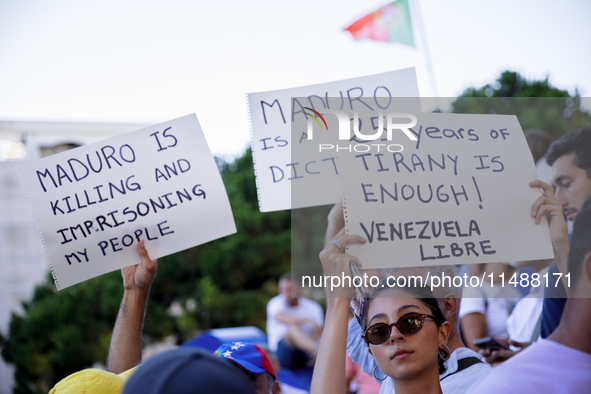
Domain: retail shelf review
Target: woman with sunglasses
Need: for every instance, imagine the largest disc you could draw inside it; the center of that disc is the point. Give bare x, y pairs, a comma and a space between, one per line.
405, 331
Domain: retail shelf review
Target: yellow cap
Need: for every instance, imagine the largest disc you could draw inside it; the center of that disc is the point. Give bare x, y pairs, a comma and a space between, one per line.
92, 381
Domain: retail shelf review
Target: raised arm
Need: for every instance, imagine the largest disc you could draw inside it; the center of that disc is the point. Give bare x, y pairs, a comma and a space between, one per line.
547, 205
329, 369
125, 351
356, 347
473, 327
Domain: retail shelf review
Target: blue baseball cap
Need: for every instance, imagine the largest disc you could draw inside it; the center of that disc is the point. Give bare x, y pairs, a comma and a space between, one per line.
186, 370
247, 355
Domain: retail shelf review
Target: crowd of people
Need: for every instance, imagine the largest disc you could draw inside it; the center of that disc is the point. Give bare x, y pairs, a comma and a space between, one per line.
412, 339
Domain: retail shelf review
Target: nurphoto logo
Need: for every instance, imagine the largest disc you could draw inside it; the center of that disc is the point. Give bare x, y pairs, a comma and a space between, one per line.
344, 129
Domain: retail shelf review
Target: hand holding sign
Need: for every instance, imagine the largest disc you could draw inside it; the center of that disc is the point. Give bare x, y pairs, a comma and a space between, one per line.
140, 276
335, 263
547, 206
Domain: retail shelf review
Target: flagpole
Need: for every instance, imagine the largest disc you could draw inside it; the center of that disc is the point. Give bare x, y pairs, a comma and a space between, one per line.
425, 48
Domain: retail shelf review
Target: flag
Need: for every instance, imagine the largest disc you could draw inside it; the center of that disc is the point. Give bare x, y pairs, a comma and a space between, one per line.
390, 23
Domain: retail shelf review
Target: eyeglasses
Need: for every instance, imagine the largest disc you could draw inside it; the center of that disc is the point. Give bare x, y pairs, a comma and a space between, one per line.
410, 323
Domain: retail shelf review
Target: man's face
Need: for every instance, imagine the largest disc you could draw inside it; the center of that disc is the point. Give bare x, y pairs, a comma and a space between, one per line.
285, 288
571, 184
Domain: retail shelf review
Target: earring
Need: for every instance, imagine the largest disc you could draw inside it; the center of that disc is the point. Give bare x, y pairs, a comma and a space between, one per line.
374, 375
445, 354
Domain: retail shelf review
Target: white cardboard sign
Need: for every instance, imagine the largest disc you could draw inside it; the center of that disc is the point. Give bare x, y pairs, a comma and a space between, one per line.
94, 203
459, 194
271, 114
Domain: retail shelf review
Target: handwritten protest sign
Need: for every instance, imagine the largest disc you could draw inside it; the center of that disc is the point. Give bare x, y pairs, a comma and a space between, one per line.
271, 114
94, 203
457, 194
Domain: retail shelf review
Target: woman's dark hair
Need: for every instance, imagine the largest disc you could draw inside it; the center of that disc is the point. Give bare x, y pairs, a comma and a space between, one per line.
425, 295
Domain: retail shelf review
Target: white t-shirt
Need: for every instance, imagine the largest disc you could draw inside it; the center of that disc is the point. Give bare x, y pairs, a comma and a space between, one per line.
522, 322
496, 307
544, 171
306, 309
544, 367
458, 382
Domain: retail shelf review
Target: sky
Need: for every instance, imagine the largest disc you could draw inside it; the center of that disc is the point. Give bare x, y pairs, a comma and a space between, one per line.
151, 61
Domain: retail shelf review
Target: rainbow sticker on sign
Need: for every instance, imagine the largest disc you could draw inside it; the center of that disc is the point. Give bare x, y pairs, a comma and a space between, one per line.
315, 118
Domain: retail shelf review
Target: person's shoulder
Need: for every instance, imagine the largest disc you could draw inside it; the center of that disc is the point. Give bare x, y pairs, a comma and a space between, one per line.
514, 374
275, 301
508, 377
465, 352
530, 371
556, 349
309, 303
492, 384
467, 376
277, 298
460, 382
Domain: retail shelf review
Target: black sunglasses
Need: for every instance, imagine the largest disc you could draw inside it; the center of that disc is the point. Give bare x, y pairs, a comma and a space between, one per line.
410, 323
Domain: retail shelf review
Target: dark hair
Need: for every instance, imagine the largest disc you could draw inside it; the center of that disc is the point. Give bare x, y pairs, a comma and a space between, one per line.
538, 141
292, 276
285, 276
579, 142
580, 244
425, 295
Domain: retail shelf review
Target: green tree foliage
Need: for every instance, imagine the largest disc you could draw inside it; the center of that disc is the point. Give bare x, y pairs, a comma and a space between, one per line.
223, 283
61, 331
537, 104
